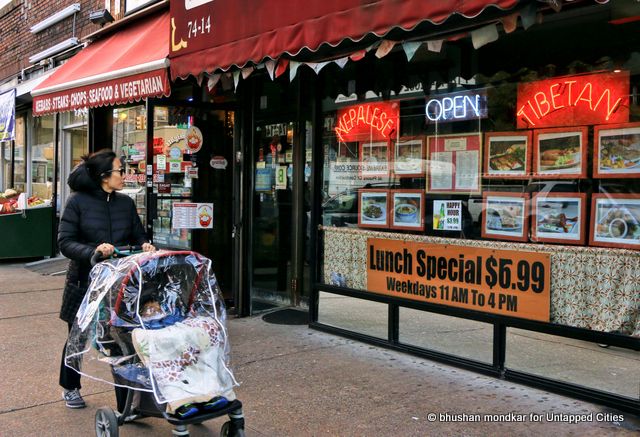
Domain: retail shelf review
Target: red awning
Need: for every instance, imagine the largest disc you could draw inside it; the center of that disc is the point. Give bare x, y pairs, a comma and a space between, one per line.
126, 66
208, 35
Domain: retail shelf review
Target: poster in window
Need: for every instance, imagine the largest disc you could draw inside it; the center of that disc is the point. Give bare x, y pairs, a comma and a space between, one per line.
408, 209
615, 220
374, 159
507, 155
559, 218
617, 151
505, 216
454, 163
373, 207
560, 153
408, 157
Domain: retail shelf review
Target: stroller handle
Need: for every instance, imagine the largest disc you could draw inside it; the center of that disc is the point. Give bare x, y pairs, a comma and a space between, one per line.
99, 256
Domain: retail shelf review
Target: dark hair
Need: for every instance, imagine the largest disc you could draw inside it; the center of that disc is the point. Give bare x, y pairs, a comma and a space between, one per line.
99, 164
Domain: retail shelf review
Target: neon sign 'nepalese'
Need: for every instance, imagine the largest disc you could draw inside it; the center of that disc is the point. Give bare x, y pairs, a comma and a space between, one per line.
601, 98
368, 121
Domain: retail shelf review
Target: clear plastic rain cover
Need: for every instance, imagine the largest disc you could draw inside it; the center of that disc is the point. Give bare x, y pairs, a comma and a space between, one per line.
154, 322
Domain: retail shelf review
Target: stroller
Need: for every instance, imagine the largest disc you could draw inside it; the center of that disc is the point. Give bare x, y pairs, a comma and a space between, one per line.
153, 325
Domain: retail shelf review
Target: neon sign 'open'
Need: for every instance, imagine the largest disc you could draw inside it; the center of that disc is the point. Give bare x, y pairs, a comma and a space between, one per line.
458, 106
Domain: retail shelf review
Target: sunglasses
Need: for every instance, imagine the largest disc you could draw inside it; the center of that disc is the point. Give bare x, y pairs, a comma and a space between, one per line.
119, 170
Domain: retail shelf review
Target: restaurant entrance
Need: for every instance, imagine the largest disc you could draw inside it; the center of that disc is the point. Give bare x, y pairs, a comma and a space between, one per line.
199, 177
279, 207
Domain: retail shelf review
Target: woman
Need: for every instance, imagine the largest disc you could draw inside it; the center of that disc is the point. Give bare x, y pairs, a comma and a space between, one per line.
95, 218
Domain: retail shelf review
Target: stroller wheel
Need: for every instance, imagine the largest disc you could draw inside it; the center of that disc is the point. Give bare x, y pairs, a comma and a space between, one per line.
227, 432
106, 423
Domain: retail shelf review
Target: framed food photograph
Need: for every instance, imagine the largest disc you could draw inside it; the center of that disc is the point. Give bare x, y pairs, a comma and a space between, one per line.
374, 159
373, 207
615, 220
559, 218
560, 153
505, 216
617, 151
507, 155
407, 210
453, 163
408, 157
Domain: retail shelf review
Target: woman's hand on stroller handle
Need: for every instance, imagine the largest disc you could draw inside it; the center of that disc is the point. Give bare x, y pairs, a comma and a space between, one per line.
148, 247
105, 251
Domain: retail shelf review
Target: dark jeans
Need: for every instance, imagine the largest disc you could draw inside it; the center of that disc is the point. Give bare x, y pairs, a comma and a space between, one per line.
69, 378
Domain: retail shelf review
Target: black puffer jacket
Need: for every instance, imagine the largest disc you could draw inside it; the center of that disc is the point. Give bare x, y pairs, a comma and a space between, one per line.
92, 217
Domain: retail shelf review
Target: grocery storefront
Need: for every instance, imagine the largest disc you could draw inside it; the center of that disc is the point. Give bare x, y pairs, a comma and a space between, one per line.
27, 174
461, 184
174, 142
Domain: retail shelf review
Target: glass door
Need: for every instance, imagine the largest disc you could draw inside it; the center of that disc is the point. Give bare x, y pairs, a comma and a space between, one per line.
272, 202
193, 171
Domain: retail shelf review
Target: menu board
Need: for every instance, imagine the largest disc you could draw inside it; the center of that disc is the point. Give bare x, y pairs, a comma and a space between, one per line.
192, 216
454, 163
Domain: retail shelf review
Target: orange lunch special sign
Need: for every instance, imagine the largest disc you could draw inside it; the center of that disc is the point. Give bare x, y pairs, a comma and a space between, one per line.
506, 282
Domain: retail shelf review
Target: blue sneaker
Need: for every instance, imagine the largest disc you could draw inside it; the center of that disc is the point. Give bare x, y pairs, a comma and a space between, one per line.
186, 411
215, 403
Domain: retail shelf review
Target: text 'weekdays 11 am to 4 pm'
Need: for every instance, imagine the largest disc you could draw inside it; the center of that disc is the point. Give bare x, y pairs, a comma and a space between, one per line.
511, 283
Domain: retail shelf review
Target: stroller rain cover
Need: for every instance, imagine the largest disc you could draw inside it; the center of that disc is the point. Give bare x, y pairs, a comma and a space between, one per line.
154, 322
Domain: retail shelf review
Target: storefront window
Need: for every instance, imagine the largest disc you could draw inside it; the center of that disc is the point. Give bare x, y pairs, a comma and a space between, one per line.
5, 162
511, 194
19, 155
42, 153
171, 163
130, 144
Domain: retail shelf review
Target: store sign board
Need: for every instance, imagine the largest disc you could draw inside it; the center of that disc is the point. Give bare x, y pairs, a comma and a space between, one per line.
601, 98
506, 282
447, 215
192, 216
371, 121
281, 177
8, 115
112, 92
465, 105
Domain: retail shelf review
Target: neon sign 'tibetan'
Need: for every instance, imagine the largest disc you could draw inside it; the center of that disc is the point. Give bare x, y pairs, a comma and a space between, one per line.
573, 100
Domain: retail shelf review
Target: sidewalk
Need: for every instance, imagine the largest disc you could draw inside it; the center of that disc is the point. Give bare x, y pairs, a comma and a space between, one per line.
295, 382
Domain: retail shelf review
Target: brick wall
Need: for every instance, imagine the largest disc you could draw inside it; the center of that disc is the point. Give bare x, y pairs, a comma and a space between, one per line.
17, 44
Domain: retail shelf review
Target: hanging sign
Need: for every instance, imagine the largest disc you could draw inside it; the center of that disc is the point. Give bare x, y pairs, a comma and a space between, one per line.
264, 178
512, 283
192, 216
601, 98
447, 215
218, 162
162, 162
194, 139
372, 121
8, 116
465, 105
281, 177
164, 188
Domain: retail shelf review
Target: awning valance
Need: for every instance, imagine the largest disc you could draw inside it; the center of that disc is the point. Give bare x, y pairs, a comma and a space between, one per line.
207, 35
126, 66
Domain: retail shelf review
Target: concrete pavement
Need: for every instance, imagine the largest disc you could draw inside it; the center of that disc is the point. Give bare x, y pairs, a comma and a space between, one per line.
295, 382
